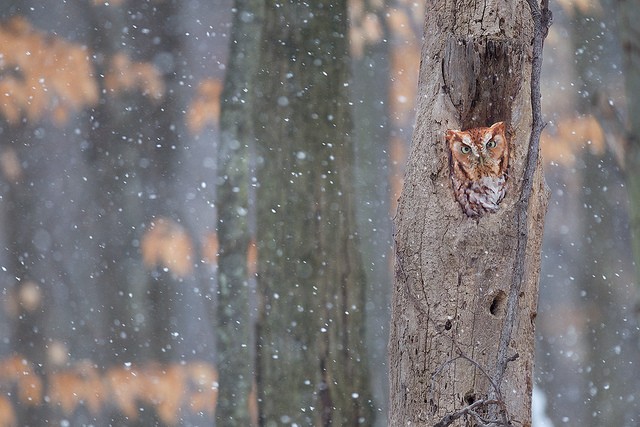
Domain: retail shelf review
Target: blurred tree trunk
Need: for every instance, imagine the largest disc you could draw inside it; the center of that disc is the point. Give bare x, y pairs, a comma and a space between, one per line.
236, 352
609, 390
312, 365
85, 191
628, 18
600, 256
371, 94
462, 330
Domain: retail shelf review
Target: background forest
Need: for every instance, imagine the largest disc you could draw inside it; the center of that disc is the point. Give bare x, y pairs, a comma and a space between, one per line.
196, 202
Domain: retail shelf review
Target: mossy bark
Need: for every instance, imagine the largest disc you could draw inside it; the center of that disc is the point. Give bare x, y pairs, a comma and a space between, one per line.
235, 328
312, 367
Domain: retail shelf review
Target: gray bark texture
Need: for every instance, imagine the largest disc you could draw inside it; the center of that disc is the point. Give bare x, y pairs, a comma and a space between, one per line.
465, 295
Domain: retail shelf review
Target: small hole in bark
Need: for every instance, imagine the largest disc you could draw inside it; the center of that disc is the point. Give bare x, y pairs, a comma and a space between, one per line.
470, 397
447, 325
497, 303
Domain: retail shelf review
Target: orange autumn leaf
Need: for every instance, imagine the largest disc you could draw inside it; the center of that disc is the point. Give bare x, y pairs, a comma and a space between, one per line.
10, 165
252, 258
40, 73
7, 415
204, 383
252, 403
81, 385
167, 244
416, 11
210, 247
64, 390
125, 386
168, 388
405, 60
365, 26
569, 136
202, 375
365, 30
12, 367
399, 21
205, 107
12, 92
125, 75
586, 7
93, 392
397, 156
164, 388
30, 388
18, 370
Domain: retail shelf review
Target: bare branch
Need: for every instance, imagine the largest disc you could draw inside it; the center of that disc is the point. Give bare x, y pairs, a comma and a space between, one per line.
502, 413
468, 410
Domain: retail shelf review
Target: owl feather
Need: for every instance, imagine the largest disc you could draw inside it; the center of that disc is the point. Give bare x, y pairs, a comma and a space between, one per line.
479, 161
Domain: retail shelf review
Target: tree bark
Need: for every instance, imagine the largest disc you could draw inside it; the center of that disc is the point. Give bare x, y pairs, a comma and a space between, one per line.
312, 365
465, 294
628, 15
236, 353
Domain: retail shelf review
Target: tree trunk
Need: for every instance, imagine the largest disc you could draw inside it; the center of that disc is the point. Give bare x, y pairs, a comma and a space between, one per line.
628, 16
85, 187
235, 319
598, 255
371, 92
462, 330
312, 366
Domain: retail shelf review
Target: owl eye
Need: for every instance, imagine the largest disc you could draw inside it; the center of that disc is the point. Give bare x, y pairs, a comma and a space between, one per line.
491, 144
465, 149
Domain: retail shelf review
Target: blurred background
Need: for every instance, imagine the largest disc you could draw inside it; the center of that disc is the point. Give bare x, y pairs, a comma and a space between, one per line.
114, 198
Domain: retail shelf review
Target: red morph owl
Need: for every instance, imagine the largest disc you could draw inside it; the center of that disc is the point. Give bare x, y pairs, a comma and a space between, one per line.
479, 159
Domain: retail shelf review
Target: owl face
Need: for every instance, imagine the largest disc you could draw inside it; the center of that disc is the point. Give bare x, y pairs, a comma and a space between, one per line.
479, 152
479, 161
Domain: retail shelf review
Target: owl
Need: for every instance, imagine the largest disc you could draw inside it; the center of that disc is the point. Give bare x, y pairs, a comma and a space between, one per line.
479, 159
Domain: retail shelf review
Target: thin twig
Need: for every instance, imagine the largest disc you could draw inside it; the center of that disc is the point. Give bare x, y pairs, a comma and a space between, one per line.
468, 410
481, 369
497, 394
542, 21
501, 417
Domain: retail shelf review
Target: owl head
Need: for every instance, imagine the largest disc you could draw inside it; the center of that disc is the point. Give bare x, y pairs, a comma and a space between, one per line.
479, 152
